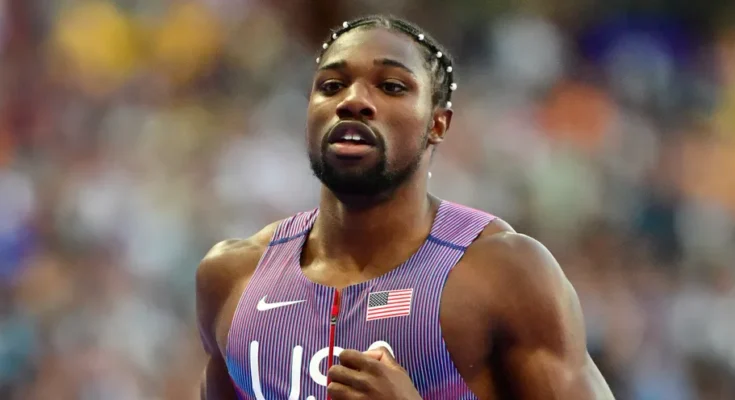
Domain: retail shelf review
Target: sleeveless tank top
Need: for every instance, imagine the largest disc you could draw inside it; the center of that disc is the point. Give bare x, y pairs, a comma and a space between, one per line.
279, 340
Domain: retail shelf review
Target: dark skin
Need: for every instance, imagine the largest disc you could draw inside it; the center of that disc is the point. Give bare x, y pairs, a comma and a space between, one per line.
511, 319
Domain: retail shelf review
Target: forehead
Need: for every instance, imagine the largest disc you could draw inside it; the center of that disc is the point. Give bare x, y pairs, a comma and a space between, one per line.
368, 44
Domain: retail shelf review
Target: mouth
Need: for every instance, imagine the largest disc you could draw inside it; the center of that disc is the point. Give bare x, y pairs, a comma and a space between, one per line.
351, 139
353, 132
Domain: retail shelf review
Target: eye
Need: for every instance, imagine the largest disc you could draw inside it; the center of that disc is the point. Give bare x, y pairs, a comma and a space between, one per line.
393, 88
330, 87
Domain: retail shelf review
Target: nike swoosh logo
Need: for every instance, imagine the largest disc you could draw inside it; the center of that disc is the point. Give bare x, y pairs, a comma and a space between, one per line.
263, 306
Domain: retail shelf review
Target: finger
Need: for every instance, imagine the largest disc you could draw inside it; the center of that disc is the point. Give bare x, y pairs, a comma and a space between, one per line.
338, 391
349, 377
356, 360
381, 354
374, 354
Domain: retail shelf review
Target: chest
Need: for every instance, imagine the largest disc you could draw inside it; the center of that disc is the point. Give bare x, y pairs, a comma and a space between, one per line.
285, 326
286, 314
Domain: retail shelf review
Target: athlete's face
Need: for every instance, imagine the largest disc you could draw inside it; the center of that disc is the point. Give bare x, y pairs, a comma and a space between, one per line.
370, 121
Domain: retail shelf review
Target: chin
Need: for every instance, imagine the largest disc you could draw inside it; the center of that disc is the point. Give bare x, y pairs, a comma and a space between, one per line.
354, 183
372, 183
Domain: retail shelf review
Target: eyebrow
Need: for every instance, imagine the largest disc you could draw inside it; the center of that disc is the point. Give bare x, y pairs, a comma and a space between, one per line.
388, 62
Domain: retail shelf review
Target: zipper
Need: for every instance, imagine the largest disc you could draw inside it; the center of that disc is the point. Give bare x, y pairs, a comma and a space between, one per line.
332, 331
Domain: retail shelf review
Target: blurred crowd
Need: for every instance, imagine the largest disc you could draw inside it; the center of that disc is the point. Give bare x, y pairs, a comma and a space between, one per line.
135, 134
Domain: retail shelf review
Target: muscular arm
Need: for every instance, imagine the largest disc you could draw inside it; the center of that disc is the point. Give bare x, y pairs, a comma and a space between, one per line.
213, 287
220, 279
545, 354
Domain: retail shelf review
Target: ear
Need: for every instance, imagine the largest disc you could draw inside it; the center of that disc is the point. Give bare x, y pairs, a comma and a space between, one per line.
440, 123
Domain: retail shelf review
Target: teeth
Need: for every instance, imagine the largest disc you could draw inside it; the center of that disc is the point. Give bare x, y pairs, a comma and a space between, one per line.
352, 137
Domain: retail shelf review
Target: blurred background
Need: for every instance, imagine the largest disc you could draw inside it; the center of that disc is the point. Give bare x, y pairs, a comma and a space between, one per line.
134, 134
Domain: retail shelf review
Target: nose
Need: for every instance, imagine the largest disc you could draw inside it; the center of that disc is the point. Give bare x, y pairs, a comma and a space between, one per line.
356, 104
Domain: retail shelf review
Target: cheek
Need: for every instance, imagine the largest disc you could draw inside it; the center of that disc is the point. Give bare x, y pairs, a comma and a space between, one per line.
316, 120
408, 138
311, 116
410, 125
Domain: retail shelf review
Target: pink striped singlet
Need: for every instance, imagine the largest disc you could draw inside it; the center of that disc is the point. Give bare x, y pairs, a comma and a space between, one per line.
279, 341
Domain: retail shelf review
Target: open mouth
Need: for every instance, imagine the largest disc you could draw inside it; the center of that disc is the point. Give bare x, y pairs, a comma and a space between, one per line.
351, 139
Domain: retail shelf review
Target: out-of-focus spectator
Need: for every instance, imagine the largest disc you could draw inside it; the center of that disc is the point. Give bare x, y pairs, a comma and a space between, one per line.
134, 134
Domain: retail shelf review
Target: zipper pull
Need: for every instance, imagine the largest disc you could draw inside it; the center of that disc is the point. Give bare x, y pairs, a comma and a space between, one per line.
335, 308
332, 331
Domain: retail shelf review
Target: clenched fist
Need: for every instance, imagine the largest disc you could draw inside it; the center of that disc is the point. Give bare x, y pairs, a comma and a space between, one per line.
373, 374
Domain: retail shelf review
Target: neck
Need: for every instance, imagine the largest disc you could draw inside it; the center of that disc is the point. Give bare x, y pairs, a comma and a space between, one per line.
369, 233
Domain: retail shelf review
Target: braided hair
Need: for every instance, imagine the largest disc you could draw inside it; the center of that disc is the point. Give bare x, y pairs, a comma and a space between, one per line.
437, 59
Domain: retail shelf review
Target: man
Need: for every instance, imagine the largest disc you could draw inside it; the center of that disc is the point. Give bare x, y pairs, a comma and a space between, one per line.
384, 291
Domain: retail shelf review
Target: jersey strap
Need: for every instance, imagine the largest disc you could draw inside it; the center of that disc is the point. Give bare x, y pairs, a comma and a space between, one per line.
294, 227
457, 226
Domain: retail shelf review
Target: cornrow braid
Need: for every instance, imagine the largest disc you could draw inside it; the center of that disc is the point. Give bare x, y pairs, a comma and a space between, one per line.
437, 59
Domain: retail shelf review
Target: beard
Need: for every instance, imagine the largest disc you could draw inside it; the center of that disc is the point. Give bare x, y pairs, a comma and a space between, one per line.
374, 181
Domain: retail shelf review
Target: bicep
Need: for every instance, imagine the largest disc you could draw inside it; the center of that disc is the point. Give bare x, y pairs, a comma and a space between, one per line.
546, 354
220, 278
213, 282
216, 383
543, 374
548, 358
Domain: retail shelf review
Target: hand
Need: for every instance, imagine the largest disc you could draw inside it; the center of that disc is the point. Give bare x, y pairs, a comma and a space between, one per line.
371, 375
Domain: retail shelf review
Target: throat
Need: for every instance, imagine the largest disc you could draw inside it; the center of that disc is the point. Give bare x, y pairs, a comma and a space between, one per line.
367, 243
359, 255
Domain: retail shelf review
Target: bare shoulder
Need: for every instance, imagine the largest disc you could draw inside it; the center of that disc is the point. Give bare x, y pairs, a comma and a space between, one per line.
520, 283
527, 291
517, 260
533, 315
233, 258
226, 266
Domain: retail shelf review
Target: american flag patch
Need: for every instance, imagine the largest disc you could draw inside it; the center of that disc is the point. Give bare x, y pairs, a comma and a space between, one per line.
389, 304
